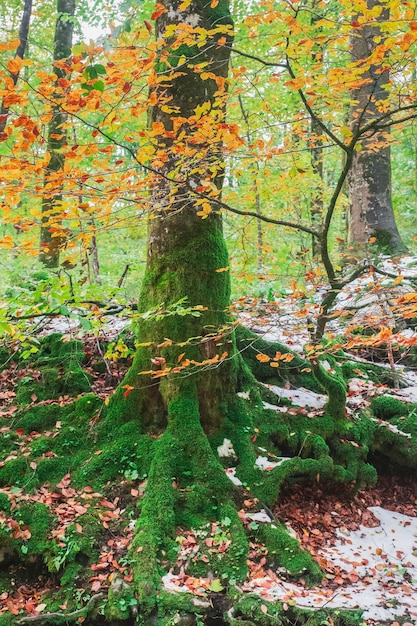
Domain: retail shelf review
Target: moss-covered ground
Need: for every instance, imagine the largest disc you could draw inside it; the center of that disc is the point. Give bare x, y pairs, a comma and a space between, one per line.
94, 511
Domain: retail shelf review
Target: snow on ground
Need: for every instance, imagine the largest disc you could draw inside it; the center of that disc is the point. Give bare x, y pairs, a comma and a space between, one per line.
381, 563
300, 397
377, 572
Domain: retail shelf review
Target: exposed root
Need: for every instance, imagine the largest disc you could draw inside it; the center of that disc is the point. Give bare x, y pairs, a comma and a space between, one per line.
63, 618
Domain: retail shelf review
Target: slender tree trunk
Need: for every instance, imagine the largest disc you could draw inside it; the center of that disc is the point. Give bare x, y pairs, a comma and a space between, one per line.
52, 236
371, 215
20, 54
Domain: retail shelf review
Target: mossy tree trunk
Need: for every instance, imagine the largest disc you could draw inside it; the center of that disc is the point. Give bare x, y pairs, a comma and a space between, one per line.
187, 260
186, 333
51, 237
371, 214
182, 388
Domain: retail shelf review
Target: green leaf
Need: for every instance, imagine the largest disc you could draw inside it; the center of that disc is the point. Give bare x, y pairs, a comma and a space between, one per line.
215, 585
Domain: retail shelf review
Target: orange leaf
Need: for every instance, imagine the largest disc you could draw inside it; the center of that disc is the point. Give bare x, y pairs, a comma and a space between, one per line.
128, 390
263, 358
14, 65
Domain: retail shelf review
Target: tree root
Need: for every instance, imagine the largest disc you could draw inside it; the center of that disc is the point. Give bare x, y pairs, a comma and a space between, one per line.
63, 618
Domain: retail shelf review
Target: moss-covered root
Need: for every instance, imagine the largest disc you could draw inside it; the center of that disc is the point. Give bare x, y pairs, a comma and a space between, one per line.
156, 522
249, 610
335, 387
186, 486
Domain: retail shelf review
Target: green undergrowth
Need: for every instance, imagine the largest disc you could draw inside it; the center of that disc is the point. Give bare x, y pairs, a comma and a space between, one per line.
173, 489
55, 370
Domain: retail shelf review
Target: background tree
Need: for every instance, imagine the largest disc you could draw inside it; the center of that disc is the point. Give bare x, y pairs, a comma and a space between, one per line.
52, 234
371, 213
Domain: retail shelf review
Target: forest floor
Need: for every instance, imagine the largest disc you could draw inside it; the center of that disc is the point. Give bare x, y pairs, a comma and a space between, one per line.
366, 543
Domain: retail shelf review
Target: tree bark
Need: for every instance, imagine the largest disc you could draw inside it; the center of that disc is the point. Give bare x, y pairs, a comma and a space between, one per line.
52, 236
371, 213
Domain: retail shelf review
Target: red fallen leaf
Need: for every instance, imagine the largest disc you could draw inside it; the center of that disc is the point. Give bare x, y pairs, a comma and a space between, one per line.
96, 585
209, 542
353, 576
107, 504
30, 606
205, 558
98, 566
148, 25
12, 607
78, 528
134, 493
20, 432
264, 608
80, 509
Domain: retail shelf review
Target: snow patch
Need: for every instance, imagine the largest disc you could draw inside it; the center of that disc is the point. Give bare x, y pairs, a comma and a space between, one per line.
261, 516
383, 561
231, 474
226, 451
300, 397
264, 463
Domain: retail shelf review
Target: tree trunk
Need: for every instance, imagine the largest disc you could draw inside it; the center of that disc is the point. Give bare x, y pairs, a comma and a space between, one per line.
52, 235
183, 385
371, 214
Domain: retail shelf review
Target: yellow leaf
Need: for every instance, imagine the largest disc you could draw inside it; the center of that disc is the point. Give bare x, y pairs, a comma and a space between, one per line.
202, 109
223, 269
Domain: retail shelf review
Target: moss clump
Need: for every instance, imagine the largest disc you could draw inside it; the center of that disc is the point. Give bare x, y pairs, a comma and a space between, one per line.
285, 552
120, 601
15, 472
387, 407
39, 519
58, 367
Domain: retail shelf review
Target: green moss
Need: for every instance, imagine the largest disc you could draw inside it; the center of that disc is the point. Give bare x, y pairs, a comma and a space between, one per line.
335, 388
39, 519
251, 607
4, 503
59, 372
386, 407
15, 472
298, 371
120, 601
42, 417
71, 573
